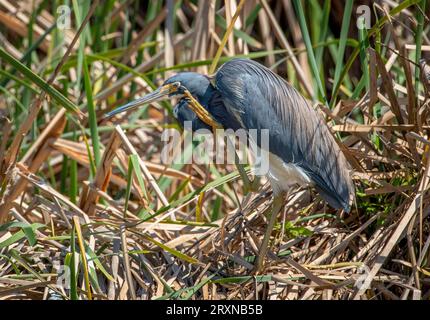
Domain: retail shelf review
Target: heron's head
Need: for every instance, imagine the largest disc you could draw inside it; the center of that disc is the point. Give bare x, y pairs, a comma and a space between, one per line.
198, 85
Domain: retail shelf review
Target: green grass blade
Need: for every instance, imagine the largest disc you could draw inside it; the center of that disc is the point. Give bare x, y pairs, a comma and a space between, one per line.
42, 84
309, 48
419, 41
174, 252
342, 44
92, 114
381, 22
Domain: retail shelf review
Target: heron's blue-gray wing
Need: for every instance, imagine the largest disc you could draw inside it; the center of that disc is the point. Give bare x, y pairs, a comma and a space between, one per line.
260, 99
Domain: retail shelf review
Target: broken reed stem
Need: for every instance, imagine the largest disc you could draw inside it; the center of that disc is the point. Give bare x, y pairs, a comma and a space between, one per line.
89, 197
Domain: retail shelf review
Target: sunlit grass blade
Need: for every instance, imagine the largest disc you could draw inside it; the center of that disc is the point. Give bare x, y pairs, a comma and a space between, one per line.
310, 51
225, 38
419, 41
347, 13
91, 114
72, 264
176, 253
81, 242
42, 84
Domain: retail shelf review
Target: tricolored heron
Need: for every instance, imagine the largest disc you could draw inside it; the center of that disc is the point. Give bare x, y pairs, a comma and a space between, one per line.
245, 94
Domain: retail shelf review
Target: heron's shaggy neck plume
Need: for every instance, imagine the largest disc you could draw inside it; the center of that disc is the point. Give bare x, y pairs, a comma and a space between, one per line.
207, 95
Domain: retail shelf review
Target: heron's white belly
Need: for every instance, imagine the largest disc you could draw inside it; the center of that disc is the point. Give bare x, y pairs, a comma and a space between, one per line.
283, 176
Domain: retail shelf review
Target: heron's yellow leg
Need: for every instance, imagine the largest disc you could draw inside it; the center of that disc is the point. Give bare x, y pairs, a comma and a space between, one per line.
278, 201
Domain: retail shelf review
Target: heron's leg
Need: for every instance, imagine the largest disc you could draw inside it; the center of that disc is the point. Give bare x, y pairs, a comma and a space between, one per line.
278, 201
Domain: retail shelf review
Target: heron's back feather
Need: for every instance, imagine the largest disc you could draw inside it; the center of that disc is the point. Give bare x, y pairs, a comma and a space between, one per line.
260, 99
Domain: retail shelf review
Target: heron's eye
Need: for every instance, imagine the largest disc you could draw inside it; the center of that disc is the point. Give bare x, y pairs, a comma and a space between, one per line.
176, 88
176, 84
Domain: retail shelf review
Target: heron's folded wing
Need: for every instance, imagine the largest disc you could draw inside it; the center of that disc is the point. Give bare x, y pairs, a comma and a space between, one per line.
260, 99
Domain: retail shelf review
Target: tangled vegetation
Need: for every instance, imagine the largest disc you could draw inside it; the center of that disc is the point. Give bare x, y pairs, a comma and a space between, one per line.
89, 211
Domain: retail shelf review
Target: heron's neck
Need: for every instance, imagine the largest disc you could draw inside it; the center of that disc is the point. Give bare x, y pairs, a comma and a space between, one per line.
205, 96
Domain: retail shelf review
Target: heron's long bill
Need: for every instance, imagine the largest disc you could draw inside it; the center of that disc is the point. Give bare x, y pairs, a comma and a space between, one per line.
156, 95
162, 93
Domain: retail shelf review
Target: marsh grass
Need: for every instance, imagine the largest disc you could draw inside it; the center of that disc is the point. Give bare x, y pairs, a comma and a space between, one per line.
90, 196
